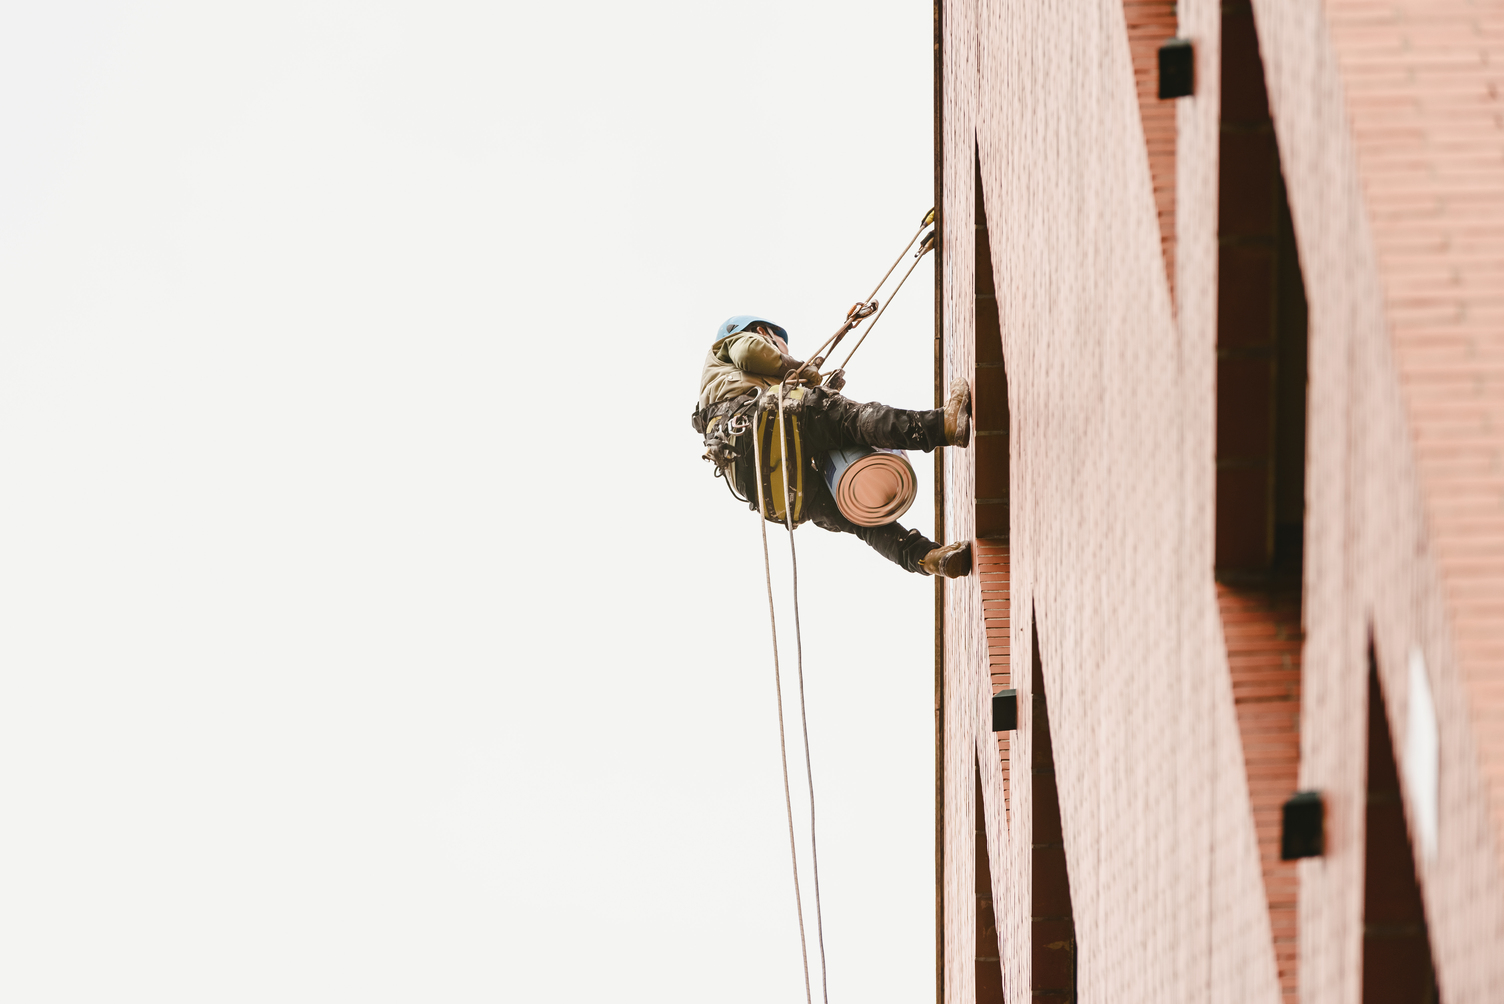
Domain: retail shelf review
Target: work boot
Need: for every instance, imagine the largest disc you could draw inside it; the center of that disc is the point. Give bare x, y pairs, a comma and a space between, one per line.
951, 561
958, 414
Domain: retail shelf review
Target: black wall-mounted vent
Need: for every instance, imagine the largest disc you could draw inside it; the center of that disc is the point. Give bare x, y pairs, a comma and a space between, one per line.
1302, 833
1005, 711
1177, 69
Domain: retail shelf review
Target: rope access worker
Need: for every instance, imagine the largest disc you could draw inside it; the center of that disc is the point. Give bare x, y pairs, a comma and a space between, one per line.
747, 363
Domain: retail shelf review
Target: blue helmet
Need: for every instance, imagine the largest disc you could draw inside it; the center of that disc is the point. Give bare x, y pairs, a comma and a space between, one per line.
732, 325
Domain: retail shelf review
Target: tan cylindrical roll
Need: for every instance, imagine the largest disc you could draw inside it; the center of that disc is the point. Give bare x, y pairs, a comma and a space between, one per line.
876, 488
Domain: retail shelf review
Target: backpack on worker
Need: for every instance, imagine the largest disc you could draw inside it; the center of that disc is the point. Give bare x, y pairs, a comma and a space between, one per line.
729, 438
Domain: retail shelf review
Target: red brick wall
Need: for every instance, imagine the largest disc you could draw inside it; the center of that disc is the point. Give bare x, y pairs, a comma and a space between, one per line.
1386, 114
1111, 515
1425, 89
992, 573
1101, 545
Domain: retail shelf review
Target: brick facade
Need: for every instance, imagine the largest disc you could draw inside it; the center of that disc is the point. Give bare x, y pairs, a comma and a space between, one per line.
1195, 681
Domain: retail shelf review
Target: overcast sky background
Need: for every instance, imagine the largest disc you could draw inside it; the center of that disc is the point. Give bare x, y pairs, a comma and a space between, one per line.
370, 628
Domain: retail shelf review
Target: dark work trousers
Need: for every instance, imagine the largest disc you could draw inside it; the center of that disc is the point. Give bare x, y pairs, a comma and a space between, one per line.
829, 421
892, 541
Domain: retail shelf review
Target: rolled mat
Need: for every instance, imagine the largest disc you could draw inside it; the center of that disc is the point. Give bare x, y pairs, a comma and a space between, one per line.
871, 486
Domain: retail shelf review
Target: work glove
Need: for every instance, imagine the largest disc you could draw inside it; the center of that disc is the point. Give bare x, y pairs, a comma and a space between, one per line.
809, 373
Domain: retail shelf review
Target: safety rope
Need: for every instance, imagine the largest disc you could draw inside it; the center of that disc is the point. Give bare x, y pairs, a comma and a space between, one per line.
788, 800
854, 317
809, 770
929, 218
869, 306
923, 249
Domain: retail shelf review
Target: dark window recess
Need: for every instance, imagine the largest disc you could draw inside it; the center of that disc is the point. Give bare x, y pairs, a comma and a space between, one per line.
989, 458
1261, 333
990, 417
1397, 965
1005, 711
1302, 830
1260, 473
989, 967
1052, 917
1177, 69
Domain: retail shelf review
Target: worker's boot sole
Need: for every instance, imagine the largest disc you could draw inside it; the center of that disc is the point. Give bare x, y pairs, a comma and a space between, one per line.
957, 563
958, 414
951, 561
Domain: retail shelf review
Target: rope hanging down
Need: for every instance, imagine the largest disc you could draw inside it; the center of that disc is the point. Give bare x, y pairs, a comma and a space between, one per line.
809, 770
788, 800
853, 318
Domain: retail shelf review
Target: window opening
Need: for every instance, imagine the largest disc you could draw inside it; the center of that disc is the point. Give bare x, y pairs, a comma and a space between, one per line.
1261, 332
990, 456
989, 967
1261, 460
1397, 966
1052, 919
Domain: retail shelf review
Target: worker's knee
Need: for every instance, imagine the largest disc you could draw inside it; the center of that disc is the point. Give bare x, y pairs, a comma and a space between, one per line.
824, 521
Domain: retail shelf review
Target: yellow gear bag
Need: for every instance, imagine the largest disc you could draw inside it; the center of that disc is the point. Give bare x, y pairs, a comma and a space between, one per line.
782, 462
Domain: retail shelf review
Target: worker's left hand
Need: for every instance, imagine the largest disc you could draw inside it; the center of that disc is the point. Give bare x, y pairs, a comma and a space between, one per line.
799, 371
807, 374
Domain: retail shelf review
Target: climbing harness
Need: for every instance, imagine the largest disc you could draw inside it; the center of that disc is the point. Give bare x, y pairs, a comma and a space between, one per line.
779, 475
783, 458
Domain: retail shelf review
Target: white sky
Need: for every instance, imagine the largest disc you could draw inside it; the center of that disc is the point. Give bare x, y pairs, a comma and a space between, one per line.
370, 628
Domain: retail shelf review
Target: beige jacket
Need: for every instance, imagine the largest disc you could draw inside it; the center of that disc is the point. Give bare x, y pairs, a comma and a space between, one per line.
739, 362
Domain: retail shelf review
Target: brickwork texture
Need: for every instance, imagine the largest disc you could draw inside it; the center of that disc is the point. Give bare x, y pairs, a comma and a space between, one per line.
1182, 709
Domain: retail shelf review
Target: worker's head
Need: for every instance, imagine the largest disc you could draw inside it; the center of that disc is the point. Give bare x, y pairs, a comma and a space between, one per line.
741, 322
